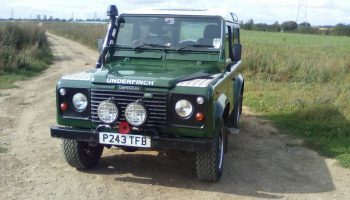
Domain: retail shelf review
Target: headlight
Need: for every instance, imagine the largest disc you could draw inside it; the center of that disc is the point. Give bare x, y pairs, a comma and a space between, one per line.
80, 102
183, 108
135, 114
107, 112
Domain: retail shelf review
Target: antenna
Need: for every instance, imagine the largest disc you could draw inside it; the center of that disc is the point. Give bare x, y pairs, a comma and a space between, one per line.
302, 12
95, 16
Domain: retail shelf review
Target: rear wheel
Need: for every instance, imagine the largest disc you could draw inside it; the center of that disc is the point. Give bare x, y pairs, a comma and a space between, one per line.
210, 164
80, 154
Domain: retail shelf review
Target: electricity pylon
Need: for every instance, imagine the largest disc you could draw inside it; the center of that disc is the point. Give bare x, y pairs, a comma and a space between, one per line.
302, 12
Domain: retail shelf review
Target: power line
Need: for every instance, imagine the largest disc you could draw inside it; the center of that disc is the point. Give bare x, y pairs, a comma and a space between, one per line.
302, 12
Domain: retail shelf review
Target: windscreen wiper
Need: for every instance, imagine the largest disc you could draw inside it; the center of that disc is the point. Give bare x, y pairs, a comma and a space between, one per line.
194, 46
148, 45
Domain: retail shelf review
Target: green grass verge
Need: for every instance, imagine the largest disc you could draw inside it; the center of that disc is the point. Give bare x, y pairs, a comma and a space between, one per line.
24, 52
302, 84
3, 150
7, 81
297, 109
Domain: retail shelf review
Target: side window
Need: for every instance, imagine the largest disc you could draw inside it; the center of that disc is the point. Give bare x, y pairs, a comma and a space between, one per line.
237, 47
236, 38
227, 36
229, 42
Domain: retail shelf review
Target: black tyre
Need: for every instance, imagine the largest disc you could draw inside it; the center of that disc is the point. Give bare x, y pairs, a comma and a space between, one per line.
80, 154
210, 164
237, 110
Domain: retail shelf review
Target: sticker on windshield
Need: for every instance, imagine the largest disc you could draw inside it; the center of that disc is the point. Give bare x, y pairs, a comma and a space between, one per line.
169, 20
217, 43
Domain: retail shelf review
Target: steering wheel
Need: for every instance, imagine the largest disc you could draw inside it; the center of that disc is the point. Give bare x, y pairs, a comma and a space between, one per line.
137, 42
187, 42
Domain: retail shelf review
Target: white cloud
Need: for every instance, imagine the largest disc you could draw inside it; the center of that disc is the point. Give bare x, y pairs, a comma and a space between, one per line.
319, 11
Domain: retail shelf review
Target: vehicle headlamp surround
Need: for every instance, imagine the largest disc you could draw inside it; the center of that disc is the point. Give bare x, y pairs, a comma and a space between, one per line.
80, 102
184, 108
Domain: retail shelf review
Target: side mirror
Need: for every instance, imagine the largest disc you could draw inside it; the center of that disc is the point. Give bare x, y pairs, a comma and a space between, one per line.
237, 48
112, 11
100, 45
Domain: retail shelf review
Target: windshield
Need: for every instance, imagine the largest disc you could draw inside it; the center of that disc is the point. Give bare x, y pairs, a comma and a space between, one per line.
169, 32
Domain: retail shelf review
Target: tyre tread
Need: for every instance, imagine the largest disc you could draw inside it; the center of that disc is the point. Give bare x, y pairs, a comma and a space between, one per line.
75, 156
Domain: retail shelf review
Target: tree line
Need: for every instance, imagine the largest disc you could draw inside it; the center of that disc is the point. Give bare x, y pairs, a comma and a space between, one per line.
292, 26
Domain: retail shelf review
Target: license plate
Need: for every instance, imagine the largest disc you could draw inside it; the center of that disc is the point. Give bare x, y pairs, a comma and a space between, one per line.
125, 140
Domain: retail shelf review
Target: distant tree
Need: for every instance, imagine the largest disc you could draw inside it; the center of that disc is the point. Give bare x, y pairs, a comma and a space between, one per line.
305, 27
276, 27
249, 25
342, 29
260, 27
289, 26
305, 24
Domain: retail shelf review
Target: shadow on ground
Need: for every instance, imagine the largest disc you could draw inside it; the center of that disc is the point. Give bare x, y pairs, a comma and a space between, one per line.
260, 163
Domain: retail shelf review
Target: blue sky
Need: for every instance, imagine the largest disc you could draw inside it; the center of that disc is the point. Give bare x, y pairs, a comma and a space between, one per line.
320, 12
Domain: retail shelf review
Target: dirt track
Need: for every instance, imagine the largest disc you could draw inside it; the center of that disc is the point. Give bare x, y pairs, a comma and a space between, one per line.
261, 163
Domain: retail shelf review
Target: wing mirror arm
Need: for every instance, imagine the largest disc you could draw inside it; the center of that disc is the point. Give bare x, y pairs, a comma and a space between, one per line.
112, 12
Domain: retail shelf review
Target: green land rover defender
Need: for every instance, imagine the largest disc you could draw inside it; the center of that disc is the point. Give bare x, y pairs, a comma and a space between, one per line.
165, 80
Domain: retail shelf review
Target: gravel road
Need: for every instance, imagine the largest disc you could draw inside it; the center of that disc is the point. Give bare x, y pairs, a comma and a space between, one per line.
261, 163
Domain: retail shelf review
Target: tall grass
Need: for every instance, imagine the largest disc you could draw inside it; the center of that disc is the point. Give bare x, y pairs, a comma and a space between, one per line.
86, 34
24, 51
300, 82
296, 57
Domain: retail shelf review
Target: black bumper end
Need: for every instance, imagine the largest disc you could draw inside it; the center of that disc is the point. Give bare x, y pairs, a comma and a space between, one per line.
166, 143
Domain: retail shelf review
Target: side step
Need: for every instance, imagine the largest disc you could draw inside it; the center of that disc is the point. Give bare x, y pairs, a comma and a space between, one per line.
233, 131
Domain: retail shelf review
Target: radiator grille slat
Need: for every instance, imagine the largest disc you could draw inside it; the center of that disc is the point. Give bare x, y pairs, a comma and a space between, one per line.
156, 106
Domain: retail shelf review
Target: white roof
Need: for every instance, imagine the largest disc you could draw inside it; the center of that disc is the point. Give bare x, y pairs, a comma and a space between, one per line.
226, 15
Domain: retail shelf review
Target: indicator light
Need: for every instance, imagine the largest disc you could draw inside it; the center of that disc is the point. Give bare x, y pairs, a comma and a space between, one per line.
64, 106
200, 116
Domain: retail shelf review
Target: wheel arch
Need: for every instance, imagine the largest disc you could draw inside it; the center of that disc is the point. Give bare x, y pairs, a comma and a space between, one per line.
222, 109
238, 87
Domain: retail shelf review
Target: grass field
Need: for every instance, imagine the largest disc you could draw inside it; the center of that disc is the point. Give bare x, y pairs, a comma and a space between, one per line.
302, 84
24, 52
299, 82
86, 34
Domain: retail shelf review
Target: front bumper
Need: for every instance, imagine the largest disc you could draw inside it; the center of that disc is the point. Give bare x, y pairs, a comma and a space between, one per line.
158, 142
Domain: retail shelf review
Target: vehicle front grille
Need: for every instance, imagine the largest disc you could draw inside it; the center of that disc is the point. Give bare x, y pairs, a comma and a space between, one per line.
156, 106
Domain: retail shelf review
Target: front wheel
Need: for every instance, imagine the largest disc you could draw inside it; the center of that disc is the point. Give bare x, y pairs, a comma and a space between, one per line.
210, 164
80, 154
